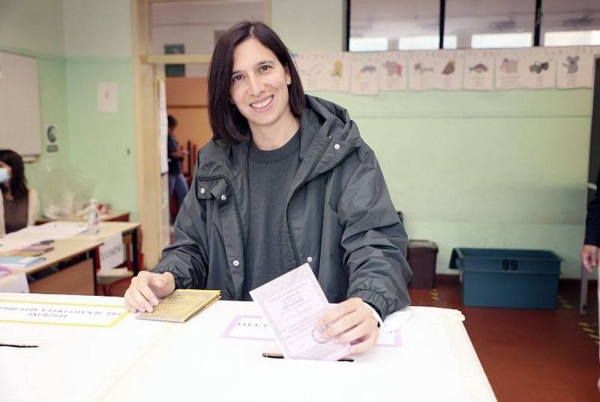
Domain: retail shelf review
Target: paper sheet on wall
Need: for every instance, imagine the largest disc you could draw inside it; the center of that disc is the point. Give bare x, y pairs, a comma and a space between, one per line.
339, 69
540, 72
108, 97
479, 70
365, 75
575, 67
312, 68
510, 69
422, 70
450, 64
162, 128
394, 73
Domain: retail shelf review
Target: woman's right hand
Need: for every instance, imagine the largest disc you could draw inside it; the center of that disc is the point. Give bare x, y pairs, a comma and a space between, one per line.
146, 290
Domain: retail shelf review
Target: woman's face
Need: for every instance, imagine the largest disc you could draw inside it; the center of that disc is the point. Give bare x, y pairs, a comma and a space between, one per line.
259, 89
5, 178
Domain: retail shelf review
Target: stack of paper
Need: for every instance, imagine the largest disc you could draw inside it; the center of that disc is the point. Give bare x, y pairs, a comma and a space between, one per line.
182, 304
15, 261
43, 246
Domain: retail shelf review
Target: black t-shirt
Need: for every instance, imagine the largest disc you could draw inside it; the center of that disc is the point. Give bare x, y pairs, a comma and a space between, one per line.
269, 176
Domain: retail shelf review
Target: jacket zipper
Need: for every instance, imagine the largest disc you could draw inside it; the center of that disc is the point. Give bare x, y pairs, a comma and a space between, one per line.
313, 166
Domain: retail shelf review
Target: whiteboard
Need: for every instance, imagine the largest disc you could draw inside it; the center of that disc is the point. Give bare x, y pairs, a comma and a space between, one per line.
20, 122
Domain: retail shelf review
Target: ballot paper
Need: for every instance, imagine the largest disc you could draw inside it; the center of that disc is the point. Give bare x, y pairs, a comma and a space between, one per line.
181, 305
292, 305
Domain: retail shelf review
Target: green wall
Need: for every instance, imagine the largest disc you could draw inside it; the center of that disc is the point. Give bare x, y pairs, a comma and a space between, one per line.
78, 44
103, 144
500, 169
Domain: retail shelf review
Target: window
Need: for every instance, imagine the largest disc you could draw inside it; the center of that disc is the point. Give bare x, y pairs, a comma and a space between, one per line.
426, 42
570, 23
368, 44
490, 23
401, 23
572, 38
502, 40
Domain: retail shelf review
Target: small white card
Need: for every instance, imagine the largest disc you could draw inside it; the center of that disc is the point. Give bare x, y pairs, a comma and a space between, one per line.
292, 304
111, 252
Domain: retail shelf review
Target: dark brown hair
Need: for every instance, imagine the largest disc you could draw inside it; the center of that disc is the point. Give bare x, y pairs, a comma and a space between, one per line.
18, 182
226, 121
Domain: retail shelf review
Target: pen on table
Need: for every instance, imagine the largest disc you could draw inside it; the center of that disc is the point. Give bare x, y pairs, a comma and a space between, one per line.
280, 356
12, 345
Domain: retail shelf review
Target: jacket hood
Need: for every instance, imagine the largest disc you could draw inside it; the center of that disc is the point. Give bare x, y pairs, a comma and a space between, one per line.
328, 136
328, 129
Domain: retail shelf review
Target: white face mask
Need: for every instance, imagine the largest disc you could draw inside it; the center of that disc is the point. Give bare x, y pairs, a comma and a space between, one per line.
4, 175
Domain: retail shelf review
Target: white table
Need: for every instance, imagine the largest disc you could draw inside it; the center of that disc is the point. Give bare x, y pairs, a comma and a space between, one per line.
139, 360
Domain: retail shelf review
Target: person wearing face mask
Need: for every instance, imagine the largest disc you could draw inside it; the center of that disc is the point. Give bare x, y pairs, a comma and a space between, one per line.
20, 203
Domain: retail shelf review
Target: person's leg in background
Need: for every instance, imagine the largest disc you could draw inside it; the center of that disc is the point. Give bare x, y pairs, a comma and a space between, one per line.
181, 188
172, 213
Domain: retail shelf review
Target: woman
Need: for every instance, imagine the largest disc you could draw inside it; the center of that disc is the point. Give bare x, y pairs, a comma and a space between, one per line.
20, 202
285, 180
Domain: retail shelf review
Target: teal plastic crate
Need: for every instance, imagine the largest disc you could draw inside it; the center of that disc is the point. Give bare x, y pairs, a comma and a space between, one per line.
508, 278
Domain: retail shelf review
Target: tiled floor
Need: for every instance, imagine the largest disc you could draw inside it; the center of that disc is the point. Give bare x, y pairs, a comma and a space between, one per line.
531, 355
528, 355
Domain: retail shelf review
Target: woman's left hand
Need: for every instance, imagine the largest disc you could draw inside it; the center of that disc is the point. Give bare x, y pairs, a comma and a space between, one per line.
351, 321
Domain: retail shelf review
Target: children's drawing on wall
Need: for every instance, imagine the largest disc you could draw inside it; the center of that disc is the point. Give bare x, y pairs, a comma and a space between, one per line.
393, 68
575, 67
510, 66
365, 69
338, 77
338, 68
478, 71
449, 68
571, 64
479, 68
365, 75
450, 64
392, 76
313, 71
538, 67
422, 69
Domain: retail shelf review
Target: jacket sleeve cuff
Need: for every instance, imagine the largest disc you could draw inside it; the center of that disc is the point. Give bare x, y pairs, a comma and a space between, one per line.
375, 314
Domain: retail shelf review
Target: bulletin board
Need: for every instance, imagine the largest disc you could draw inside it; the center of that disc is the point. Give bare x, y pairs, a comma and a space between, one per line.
20, 122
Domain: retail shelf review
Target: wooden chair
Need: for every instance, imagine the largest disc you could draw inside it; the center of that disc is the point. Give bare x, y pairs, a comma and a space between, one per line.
107, 280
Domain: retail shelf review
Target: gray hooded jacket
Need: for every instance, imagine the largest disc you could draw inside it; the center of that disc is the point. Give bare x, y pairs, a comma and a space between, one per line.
339, 218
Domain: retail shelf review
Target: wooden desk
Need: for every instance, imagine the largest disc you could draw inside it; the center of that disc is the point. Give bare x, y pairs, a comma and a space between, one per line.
113, 216
139, 360
80, 278
108, 229
77, 278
